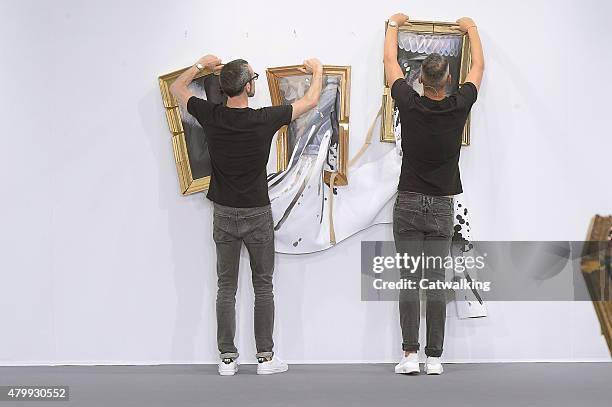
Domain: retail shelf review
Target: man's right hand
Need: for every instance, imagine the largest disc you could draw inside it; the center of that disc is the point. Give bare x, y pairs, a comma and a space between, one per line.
465, 23
210, 61
399, 18
312, 66
311, 99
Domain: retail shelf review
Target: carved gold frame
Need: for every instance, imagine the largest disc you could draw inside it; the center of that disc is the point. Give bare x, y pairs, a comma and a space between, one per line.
274, 74
187, 183
596, 258
432, 27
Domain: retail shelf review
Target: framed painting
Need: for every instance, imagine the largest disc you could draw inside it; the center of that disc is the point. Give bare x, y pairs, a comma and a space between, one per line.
287, 84
415, 41
596, 267
189, 140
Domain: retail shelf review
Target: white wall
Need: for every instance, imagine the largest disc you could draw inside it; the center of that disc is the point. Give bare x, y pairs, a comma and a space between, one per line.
104, 262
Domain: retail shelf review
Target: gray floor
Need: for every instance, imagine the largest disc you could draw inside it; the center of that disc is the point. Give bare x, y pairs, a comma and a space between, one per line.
491, 385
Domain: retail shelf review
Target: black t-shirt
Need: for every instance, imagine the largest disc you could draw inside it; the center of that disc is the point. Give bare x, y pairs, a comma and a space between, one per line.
239, 145
431, 138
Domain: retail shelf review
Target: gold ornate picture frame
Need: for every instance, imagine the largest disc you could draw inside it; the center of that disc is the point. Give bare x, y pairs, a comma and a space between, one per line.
188, 139
276, 76
596, 267
430, 31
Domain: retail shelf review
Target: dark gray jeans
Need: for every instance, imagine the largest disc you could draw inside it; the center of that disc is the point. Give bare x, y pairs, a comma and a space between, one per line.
254, 227
423, 224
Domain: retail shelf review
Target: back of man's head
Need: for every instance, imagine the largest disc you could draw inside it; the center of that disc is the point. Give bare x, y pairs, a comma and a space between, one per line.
234, 76
434, 71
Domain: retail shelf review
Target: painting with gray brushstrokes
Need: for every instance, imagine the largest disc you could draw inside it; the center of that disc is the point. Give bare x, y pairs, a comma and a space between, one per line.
311, 138
324, 116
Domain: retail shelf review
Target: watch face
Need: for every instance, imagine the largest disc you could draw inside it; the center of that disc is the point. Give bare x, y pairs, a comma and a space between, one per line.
199, 66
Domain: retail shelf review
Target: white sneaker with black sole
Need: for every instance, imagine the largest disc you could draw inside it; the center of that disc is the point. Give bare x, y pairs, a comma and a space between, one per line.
408, 365
228, 367
275, 365
433, 366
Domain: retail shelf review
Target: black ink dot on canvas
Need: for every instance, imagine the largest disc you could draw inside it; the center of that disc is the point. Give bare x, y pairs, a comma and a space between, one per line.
459, 205
458, 217
465, 211
461, 221
335, 191
295, 244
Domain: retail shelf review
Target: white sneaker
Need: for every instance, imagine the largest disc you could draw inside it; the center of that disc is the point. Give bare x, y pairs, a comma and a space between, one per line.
409, 364
433, 366
228, 369
276, 365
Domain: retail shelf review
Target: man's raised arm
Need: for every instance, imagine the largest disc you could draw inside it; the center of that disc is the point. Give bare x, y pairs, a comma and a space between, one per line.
393, 71
179, 87
468, 26
310, 100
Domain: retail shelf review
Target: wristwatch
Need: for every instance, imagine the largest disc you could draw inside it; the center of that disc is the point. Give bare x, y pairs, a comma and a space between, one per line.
199, 66
392, 23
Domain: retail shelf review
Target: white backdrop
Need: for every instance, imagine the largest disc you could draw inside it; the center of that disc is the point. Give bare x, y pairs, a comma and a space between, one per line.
104, 262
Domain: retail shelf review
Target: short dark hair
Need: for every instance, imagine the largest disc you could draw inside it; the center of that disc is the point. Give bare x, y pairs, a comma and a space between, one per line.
234, 77
433, 70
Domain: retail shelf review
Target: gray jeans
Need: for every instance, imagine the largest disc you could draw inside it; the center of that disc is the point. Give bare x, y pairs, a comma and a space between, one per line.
254, 227
423, 224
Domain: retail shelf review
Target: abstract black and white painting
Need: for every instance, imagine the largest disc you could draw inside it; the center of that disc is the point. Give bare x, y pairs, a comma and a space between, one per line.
287, 85
324, 117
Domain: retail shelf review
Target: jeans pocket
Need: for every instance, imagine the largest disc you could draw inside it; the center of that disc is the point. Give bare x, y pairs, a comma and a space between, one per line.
445, 223
403, 218
443, 207
221, 226
261, 228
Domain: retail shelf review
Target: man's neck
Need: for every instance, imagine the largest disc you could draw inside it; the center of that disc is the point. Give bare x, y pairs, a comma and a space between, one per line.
430, 94
238, 102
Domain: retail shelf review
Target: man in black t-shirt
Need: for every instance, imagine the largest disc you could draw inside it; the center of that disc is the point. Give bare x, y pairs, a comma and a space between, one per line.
431, 131
239, 140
